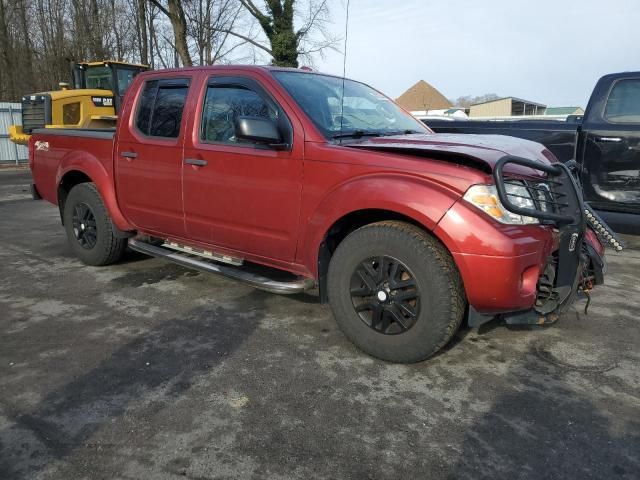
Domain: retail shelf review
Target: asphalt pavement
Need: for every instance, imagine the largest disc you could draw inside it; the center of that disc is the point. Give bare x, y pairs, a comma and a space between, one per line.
147, 370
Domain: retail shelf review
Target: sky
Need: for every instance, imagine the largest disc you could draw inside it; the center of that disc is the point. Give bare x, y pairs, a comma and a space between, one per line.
547, 51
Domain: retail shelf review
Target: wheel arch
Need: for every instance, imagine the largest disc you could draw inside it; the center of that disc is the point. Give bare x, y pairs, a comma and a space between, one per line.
347, 224
371, 198
76, 168
69, 180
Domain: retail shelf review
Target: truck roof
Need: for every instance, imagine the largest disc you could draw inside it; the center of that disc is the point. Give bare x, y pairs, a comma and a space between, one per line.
116, 62
248, 68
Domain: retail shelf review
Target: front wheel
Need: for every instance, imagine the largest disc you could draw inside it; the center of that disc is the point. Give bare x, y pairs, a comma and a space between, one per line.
395, 291
89, 229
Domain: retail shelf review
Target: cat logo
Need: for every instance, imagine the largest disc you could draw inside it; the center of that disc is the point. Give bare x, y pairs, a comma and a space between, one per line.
42, 146
102, 101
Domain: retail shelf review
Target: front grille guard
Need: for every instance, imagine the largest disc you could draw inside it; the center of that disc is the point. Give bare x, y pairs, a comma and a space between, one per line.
558, 201
558, 198
561, 205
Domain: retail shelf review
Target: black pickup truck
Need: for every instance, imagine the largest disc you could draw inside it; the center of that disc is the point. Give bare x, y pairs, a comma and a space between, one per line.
605, 143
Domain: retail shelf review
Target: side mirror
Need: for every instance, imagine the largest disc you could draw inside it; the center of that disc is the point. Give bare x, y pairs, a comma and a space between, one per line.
258, 130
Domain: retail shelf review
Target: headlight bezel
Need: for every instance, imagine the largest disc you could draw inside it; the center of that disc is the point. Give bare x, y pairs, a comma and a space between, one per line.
485, 198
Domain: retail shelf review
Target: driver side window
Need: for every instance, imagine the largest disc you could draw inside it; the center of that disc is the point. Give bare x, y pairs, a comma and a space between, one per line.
623, 104
224, 104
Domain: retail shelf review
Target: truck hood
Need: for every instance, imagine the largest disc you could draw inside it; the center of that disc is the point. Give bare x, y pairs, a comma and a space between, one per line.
479, 151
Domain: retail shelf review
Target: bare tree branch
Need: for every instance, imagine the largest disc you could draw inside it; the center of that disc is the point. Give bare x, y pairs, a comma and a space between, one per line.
160, 7
246, 39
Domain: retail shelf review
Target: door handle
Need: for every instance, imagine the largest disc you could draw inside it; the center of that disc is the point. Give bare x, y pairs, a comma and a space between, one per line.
195, 161
608, 139
129, 154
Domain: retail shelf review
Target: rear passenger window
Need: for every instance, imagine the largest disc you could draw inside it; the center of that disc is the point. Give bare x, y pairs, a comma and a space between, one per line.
161, 106
623, 104
146, 105
167, 112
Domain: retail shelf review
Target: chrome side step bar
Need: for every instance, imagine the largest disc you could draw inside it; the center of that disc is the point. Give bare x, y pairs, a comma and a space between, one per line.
217, 257
297, 285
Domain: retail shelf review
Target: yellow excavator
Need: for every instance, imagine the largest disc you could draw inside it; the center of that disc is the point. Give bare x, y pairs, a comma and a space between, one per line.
93, 102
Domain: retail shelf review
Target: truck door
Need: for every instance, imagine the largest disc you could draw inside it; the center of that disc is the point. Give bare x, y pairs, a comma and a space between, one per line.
610, 145
239, 195
148, 157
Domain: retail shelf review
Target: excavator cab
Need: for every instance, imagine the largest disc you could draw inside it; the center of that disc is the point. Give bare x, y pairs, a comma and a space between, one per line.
93, 102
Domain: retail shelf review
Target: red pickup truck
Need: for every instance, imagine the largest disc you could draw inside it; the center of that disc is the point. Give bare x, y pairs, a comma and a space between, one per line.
291, 180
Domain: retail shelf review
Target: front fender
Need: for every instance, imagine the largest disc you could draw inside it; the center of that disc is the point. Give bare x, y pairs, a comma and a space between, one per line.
93, 168
424, 201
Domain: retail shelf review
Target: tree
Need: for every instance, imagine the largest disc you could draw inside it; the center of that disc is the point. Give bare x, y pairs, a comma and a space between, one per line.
38, 38
175, 13
6, 53
27, 56
141, 24
87, 30
286, 44
209, 22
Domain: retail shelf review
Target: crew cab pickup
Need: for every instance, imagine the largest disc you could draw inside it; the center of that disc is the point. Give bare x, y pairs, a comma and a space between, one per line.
291, 180
605, 143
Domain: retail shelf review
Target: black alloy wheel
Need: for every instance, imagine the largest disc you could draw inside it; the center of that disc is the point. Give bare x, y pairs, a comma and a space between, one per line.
84, 226
395, 291
91, 233
385, 295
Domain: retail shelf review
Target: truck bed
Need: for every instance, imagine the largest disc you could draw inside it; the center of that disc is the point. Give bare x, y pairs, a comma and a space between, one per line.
108, 133
55, 151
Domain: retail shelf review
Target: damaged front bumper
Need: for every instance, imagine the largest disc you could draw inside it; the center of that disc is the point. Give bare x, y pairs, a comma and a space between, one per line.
578, 263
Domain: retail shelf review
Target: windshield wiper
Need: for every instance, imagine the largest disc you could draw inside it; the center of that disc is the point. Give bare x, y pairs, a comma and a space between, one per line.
401, 132
358, 134
370, 133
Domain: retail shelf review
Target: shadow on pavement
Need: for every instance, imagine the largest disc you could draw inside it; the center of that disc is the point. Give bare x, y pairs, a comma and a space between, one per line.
547, 430
162, 363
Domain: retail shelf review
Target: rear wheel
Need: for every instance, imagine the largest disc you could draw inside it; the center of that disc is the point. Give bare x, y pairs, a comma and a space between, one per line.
89, 228
395, 291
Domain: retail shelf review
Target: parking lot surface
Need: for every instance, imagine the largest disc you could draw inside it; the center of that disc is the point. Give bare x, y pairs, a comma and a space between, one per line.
145, 369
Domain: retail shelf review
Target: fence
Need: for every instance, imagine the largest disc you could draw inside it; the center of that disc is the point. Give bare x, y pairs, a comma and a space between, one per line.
10, 153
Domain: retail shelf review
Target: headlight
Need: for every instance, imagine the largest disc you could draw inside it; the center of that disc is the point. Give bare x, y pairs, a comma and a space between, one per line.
485, 197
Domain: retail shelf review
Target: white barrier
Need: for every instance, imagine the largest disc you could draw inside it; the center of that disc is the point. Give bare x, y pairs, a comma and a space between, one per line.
10, 153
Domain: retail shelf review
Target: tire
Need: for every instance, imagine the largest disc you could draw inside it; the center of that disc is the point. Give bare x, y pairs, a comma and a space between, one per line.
425, 282
89, 229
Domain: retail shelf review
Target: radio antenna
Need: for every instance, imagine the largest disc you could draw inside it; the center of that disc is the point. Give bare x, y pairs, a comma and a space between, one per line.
344, 68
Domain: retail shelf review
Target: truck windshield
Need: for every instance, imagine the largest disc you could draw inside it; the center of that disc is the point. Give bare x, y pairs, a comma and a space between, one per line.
99, 77
365, 112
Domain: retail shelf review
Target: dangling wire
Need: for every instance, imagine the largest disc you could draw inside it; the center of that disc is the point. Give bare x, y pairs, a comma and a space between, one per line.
344, 67
586, 307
